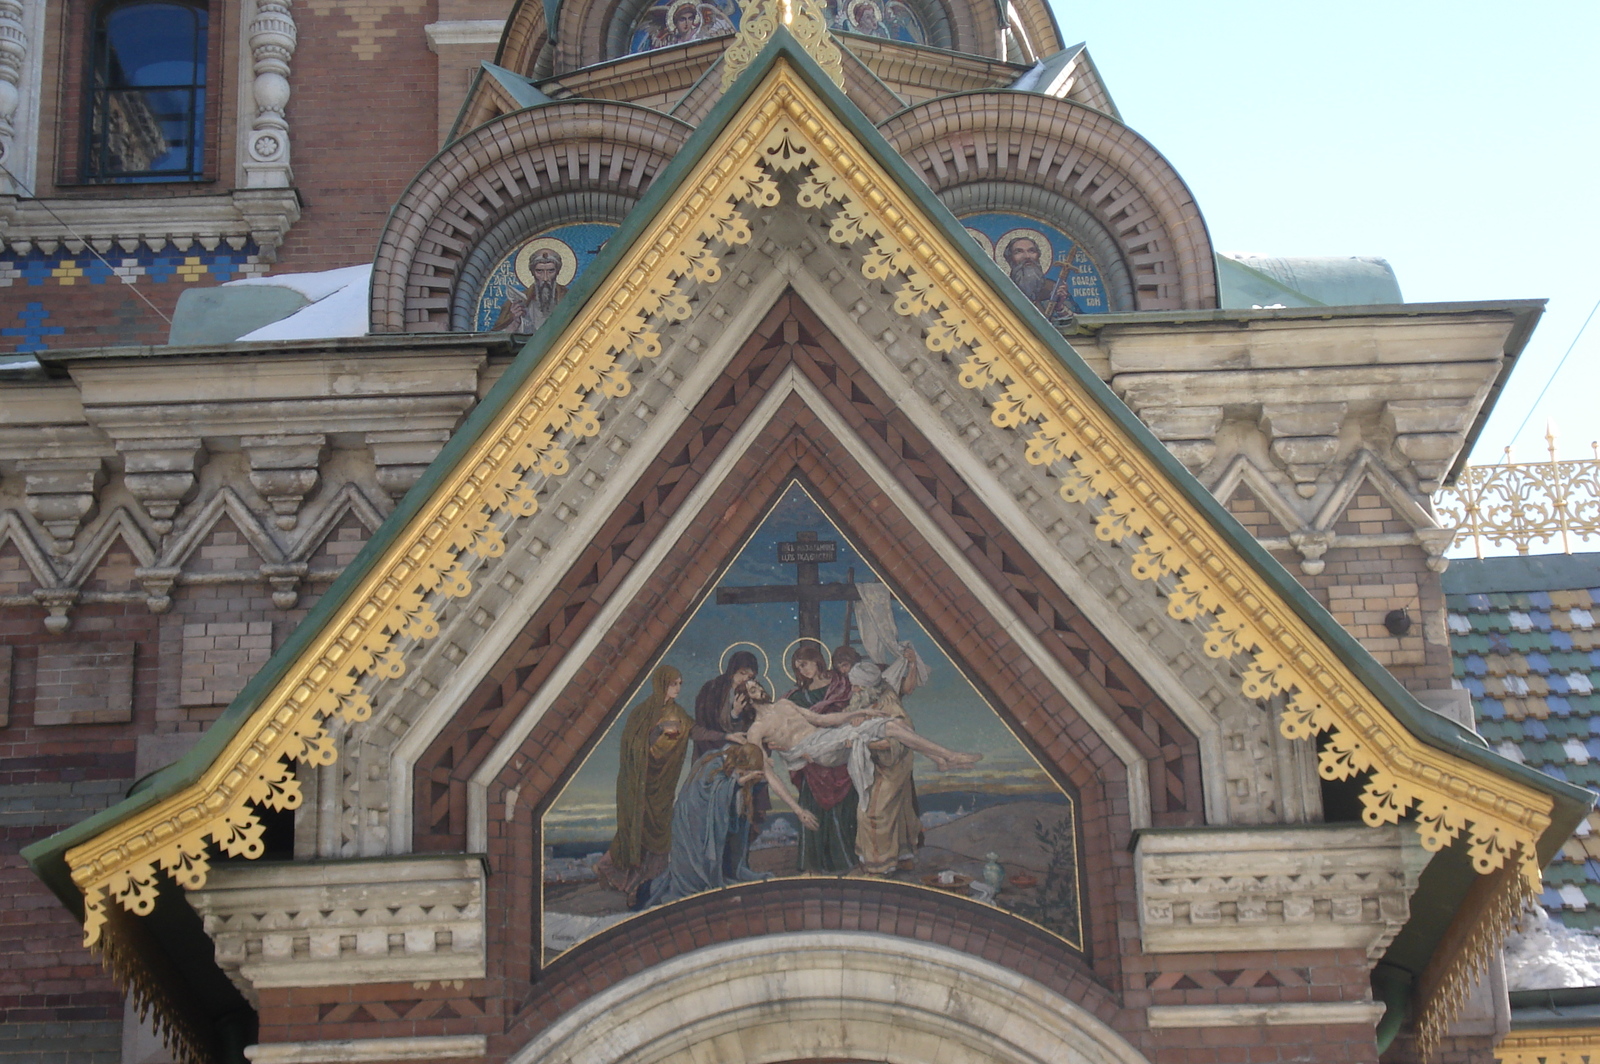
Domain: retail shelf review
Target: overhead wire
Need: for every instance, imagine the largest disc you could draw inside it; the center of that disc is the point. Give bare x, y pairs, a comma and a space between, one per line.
1550, 380
17, 183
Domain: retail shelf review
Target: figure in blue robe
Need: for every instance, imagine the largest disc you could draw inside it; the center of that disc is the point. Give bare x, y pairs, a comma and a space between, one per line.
711, 826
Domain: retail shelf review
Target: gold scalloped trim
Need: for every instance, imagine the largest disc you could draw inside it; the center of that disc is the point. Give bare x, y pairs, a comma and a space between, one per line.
786, 128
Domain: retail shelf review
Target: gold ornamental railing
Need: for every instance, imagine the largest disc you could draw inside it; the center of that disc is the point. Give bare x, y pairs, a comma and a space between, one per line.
1552, 504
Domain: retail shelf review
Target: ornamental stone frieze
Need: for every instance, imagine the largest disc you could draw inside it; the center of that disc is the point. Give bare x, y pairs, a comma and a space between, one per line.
1275, 888
145, 455
1306, 405
406, 919
261, 215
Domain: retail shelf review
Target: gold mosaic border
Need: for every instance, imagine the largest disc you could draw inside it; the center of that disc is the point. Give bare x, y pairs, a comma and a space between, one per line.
785, 127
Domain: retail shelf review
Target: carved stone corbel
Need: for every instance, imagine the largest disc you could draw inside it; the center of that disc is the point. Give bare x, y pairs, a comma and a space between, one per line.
1435, 541
1428, 433
284, 579
1305, 439
284, 469
61, 493
161, 474
402, 455
272, 43
1190, 432
1312, 546
58, 602
157, 582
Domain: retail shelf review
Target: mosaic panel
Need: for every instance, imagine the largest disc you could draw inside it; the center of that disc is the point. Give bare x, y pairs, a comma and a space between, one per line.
1052, 269
804, 723
526, 285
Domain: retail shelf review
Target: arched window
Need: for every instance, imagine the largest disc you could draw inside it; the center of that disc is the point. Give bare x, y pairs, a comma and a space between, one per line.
144, 117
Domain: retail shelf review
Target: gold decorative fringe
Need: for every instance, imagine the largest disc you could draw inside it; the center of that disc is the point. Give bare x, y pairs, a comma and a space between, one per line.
1491, 910
784, 128
129, 952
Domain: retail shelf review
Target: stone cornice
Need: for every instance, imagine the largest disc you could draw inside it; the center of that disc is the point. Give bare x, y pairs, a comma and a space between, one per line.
1214, 890
262, 215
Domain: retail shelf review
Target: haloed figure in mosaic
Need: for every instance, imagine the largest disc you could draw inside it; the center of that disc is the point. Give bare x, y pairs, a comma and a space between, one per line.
826, 792
839, 738
525, 311
654, 740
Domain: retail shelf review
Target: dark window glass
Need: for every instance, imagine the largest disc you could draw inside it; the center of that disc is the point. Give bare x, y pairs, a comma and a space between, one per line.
147, 93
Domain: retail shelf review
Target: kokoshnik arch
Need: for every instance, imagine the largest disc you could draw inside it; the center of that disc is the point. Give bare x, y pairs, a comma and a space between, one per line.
795, 291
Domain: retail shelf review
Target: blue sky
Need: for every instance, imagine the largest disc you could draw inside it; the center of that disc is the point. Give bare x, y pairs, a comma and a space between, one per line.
1460, 140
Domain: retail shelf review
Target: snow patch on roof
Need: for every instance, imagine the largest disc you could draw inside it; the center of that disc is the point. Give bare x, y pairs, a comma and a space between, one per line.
1544, 955
338, 307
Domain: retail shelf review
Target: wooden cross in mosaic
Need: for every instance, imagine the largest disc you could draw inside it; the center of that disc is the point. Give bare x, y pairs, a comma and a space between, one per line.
808, 592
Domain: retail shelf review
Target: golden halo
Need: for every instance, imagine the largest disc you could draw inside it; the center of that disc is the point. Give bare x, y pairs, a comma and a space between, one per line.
851, 7
1047, 250
984, 242
672, 13
766, 663
569, 259
788, 656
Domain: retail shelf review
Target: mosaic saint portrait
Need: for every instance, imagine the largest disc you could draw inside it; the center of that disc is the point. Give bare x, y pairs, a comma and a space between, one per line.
682, 21
889, 19
1048, 266
526, 285
804, 723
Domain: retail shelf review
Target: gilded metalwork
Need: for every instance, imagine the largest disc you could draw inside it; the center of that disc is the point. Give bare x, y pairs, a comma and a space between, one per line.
1521, 504
785, 129
806, 19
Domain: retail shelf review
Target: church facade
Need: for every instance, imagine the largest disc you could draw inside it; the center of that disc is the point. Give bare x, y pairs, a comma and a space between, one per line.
806, 554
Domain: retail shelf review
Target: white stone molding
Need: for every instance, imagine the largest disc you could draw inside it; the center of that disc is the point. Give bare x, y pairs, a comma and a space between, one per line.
265, 147
828, 995
459, 32
14, 44
360, 1050
346, 922
1290, 1014
1208, 889
262, 215
21, 72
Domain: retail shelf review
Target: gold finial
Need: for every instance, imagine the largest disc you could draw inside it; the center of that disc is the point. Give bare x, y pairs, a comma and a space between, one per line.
806, 19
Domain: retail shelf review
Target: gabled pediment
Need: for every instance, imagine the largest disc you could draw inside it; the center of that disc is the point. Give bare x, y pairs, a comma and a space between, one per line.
1156, 630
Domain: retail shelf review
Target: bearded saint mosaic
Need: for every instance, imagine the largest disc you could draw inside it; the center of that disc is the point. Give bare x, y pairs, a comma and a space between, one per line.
526, 285
1052, 270
803, 723
682, 21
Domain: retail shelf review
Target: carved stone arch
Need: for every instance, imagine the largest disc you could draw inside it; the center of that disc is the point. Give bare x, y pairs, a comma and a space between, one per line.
476, 183
526, 40
1084, 156
539, 214
829, 995
1066, 215
1034, 26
